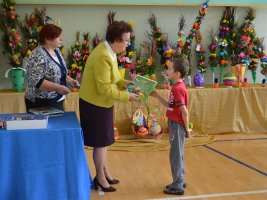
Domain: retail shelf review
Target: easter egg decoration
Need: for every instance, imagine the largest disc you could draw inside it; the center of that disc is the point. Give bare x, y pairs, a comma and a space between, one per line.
263, 82
229, 80
142, 130
199, 81
245, 83
116, 133
153, 77
216, 83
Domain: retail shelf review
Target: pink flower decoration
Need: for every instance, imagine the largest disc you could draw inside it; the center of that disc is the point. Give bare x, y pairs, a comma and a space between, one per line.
77, 53
242, 55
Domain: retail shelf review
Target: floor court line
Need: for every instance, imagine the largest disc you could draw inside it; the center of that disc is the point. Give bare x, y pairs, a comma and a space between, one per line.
214, 195
234, 159
234, 140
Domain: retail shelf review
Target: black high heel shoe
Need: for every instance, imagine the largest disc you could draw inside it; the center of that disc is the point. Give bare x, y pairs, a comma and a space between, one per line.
113, 181
109, 189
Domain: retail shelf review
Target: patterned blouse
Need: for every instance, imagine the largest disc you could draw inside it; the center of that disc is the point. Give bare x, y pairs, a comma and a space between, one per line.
41, 66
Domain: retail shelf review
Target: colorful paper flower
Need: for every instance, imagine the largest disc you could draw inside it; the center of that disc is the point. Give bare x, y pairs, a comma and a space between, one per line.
186, 50
125, 60
160, 41
200, 54
79, 55
11, 37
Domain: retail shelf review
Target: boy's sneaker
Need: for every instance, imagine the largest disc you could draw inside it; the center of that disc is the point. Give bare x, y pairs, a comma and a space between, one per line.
169, 186
176, 191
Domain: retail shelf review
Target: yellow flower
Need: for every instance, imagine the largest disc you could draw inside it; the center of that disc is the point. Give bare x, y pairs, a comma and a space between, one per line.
39, 28
131, 54
29, 52
62, 51
131, 23
150, 61
167, 62
74, 65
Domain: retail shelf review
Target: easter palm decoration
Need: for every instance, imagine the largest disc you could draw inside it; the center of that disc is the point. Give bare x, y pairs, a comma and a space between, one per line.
200, 54
213, 59
12, 44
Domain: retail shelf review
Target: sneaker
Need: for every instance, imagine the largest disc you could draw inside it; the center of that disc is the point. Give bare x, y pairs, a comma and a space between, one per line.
169, 186
176, 191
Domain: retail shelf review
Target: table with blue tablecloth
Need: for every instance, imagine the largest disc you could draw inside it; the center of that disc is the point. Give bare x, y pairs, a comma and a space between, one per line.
44, 164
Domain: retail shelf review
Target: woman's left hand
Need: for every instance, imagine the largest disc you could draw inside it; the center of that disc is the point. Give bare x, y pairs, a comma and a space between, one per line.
127, 83
73, 83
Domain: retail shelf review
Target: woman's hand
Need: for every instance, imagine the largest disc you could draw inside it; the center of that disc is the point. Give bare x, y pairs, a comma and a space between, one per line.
127, 83
73, 83
134, 97
62, 90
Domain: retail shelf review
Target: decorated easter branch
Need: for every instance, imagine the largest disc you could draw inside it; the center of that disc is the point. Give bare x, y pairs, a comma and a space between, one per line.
224, 35
213, 59
160, 40
263, 59
11, 39
125, 59
32, 26
243, 43
254, 55
180, 35
186, 50
200, 54
12, 44
78, 55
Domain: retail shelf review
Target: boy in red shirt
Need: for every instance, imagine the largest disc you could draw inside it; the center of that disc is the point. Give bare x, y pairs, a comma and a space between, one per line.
178, 122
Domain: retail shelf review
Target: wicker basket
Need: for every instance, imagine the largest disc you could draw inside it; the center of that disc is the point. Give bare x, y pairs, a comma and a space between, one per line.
147, 136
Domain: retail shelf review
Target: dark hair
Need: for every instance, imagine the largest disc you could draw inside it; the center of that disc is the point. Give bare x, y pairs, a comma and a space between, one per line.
49, 32
180, 65
116, 30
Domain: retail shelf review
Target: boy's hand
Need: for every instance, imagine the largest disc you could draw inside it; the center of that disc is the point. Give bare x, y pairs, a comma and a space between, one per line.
154, 93
134, 97
189, 133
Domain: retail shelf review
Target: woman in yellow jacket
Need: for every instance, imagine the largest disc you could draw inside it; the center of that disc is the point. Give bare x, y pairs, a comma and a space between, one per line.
101, 86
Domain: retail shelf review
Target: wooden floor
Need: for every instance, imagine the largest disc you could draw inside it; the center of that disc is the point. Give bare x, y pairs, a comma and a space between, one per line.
232, 168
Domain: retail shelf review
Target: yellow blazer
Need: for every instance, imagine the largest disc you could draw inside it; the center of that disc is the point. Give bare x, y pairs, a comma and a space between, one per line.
101, 83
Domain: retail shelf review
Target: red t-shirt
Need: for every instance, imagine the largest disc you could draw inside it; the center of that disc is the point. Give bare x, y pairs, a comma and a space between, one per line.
178, 97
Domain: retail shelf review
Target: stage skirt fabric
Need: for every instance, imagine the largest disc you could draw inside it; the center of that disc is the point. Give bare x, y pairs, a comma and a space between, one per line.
97, 124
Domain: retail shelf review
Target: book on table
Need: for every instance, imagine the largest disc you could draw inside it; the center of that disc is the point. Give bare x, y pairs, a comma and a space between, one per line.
26, 121
50, 111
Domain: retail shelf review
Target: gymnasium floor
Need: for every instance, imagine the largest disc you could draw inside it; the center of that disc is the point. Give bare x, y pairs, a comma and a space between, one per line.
234, 167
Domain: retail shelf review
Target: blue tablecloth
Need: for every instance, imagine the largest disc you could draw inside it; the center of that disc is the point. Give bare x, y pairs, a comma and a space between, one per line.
44, 164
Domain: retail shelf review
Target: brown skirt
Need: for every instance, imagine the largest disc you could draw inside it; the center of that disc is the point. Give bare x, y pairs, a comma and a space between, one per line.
97, 124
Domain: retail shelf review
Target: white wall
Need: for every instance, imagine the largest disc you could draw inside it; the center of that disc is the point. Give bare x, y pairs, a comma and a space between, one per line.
94, 19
